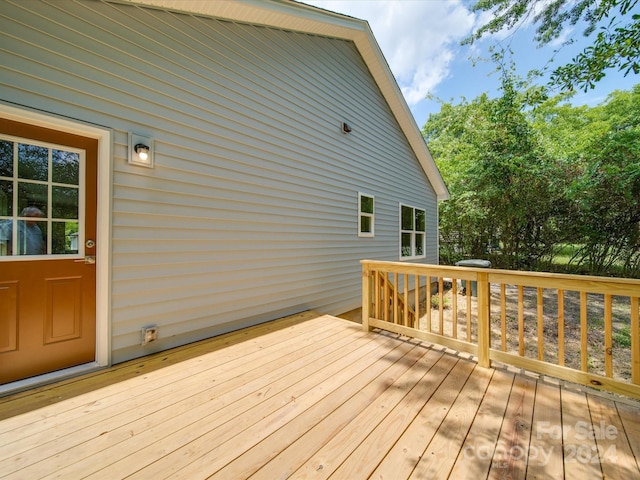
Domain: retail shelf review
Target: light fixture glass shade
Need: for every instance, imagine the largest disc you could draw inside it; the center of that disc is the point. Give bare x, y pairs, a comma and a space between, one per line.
142, 151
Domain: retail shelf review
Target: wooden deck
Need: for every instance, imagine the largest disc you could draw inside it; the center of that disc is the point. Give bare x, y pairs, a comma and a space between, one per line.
313, 396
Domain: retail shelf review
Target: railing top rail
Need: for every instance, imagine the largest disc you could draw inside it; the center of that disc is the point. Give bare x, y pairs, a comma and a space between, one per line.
589, 283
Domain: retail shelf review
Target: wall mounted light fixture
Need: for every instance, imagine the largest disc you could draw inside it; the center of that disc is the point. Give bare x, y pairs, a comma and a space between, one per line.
140, 150
346, 128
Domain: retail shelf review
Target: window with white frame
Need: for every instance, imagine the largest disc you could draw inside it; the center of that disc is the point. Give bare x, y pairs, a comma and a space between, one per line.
366, 219
412, 232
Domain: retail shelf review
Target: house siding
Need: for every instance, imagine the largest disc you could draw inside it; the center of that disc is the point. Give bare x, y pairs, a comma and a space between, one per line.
250, 212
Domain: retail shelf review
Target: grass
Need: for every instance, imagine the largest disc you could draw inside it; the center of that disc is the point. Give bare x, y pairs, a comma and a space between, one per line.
565, 253
622, 338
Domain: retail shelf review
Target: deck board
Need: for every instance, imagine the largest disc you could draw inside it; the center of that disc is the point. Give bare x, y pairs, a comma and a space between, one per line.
545, 453
313, 396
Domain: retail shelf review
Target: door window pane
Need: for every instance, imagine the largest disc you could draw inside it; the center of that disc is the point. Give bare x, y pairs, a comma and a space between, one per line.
64, 238
32, 237
6, 232
33, 162
64, 202
66, 167
33, 195
6, 198
6, 158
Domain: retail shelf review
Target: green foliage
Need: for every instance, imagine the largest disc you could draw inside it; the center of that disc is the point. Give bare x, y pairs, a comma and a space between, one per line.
435, 302
622, 338
502, 183
532, 180
605, 187
615, 46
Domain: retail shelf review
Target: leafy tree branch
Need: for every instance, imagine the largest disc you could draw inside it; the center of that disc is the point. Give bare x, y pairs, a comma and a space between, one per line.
616, 45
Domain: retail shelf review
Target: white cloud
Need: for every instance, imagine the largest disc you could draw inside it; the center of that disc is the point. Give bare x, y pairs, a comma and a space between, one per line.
419, 38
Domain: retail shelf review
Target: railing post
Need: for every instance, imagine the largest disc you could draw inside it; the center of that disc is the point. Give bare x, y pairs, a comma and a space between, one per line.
484, 326
366, 295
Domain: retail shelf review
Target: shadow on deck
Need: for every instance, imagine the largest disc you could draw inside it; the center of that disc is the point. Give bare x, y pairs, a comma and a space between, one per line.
314, 396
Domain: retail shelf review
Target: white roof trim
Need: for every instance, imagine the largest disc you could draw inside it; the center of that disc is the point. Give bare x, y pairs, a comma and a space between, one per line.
291, 15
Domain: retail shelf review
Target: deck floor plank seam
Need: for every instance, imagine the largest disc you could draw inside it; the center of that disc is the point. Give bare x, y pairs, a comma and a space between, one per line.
438, 460
304, 447
192, 391
314, 396
71, 387
545, 458
476, 453
330, 415
137, 369
158, 456
372, 450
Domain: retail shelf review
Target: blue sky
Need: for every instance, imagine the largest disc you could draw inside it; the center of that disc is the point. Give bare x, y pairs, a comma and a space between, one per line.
421, 42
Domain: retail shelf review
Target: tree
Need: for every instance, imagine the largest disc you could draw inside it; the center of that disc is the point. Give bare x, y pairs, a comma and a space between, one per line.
501, 183
607, 190
617, 45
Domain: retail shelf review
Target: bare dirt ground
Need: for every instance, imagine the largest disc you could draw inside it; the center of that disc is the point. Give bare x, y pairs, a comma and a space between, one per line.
621, 352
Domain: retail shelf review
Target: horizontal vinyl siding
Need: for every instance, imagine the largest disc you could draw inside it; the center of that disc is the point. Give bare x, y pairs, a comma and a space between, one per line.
251, 210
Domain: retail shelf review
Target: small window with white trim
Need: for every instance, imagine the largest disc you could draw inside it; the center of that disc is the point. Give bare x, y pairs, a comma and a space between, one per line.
412, 232
366, 218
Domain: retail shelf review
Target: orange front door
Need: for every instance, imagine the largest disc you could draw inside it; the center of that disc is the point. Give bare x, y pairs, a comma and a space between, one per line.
48, 185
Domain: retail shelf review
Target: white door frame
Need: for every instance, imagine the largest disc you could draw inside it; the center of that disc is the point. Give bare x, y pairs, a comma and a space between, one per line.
103, 238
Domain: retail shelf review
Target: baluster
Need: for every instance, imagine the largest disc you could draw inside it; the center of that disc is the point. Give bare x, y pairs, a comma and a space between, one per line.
454, 306
441, 303
540, 303
468, 292
428, 307
503, 316
608, 336
521, 320
416, 301
584, 354
560, 327
394, 288
405, 302
635, 341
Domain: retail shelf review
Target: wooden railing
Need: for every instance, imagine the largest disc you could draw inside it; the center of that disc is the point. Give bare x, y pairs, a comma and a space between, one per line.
583, 329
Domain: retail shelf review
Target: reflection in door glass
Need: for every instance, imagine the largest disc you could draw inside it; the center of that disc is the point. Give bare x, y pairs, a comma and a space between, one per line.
64, 238
33, 195
29, 238
66, 166
6, 158
6, 198
64, 202
33, 162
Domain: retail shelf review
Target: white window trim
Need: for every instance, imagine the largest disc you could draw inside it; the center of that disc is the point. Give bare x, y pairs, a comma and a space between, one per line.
361, 214
413, 234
